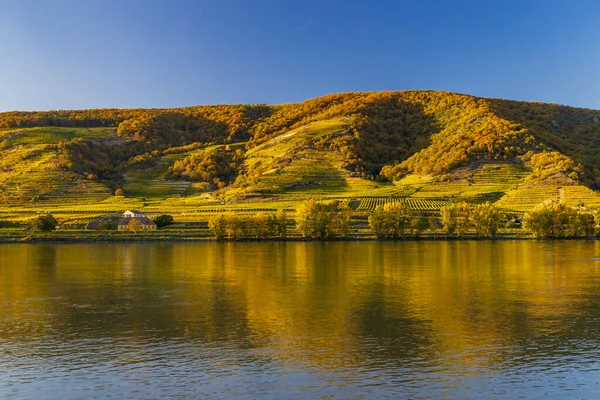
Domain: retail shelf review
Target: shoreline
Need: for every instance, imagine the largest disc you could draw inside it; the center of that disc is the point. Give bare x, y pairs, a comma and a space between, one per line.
49, 239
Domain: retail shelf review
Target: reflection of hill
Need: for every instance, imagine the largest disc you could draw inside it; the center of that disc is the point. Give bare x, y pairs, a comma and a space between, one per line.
325, 305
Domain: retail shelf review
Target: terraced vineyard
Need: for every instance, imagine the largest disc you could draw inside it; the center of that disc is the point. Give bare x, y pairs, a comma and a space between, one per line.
441, 190
580, 196
370, 203
306, 158
490, 182
143, 182
525, 198
426, 204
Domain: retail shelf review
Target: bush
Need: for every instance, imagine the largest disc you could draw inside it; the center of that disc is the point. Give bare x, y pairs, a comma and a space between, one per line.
44, 223
119, 192
163, 220
108, 225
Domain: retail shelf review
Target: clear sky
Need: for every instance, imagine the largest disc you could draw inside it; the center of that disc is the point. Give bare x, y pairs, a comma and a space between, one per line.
140, 53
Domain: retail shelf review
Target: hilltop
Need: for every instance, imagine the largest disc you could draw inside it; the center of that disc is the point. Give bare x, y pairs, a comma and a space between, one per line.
423, 147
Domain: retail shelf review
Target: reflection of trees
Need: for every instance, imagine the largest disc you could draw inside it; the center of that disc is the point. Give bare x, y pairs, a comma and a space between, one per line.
325, 304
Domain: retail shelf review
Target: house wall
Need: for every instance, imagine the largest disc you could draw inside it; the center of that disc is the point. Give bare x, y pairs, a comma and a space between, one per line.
143, 227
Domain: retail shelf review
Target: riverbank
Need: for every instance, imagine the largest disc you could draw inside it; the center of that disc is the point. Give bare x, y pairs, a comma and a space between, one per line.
59, 237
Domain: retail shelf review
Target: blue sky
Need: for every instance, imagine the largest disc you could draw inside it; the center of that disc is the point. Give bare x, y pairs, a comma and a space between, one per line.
143, 53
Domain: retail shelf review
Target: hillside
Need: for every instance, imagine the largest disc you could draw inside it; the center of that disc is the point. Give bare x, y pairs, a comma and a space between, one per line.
426, 147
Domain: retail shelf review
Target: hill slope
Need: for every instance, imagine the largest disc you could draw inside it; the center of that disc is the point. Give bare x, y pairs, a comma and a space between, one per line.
427, 147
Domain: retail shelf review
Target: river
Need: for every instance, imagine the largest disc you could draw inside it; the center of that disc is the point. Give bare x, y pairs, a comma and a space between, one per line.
343, 320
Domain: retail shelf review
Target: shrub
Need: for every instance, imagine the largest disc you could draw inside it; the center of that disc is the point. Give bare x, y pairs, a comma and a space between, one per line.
108, 225
119, 192
163, 220
44, 223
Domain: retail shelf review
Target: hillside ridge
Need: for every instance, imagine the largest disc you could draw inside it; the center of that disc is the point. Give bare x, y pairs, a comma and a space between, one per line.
423, 145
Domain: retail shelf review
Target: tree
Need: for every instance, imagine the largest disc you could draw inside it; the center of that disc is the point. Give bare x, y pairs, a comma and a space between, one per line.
217, 225
108, 226
317, 220
343, 220
262, 227
391, 220
583, 224
463, 218
550, 219
418, 223
280, 222
134, 225
233, 227
434, 223
163, 220
119, 192
377, 222
456, 217
486, 219
44, 223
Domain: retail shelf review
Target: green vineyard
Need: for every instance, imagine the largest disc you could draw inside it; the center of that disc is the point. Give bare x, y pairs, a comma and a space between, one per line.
370, 203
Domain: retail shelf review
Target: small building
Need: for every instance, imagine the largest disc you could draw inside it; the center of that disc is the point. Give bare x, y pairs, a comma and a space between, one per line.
92, 225
137, 224
107, 222
133, 214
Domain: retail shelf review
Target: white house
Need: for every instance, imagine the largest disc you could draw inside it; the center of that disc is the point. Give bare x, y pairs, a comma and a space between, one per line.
133, 214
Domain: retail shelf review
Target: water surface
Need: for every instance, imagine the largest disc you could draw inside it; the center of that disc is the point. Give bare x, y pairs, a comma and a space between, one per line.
300, 320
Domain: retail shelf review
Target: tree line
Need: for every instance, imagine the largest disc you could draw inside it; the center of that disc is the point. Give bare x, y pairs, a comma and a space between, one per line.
325, 220
258, 226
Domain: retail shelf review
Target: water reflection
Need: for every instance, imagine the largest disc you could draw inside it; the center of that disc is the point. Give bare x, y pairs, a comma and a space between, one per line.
300, 320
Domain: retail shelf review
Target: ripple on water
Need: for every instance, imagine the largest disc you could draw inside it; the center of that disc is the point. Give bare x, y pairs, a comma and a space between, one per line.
301, 321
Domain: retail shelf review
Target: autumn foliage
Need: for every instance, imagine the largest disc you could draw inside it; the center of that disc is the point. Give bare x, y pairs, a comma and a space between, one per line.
387, 134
